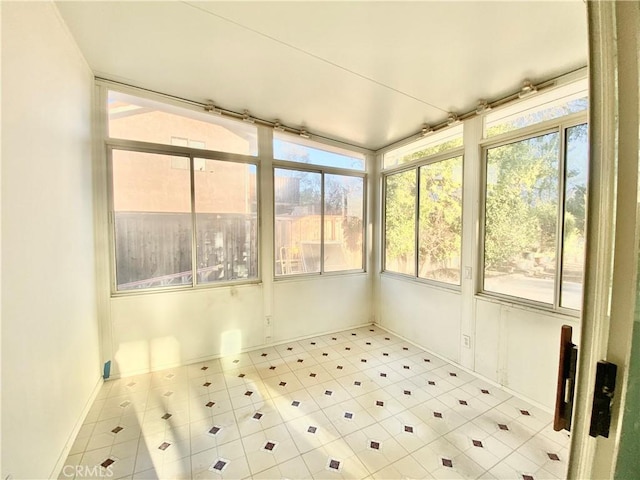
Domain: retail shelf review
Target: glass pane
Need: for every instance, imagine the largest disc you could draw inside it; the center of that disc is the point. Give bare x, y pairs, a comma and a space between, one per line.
153, 225
298, 220
136, 118
226, 220
298, 149
440, 222
343, 222
565, 100
577, 164
521, 215
438, 142
400, 223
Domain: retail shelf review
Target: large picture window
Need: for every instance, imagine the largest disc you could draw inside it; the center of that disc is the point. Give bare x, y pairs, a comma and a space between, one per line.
535, 217
423, 221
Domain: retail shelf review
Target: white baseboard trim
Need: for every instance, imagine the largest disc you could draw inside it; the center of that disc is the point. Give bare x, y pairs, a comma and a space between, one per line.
76, 428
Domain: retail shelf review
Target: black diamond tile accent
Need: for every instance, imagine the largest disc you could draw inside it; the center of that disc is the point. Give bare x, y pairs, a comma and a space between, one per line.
164, 446
313, 343
477, 443
236, 361
379, 403
210, 404
437, 414
248, 393
406, 367
272, 367
428, 360
339, 367
384, 375
289, 348
353, 334
257, 416
447, 463
463, 402
408, 428
206, 384
431, 382
525, 413
204, 368
357, 383
367, 343
553, 456
214, 430
387, 338
407, 392
334, 338
363, 360
242, 375
453, 374
527, 477
312, 429
107, 463
118, 429
264, 354
486, 392
371, 330
269, 446
166, 416
502, 426
348, 415
219, 465
312, 375
325, 354
374, 445
328, 392
384, 354
334, 464
295, 403
300, 360
282, 384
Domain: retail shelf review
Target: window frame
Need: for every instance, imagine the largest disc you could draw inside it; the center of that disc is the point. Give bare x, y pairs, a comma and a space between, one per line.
416, 165
191, 154
312, 168
556, 125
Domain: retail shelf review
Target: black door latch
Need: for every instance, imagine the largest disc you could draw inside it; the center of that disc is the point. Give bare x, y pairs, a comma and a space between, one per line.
602, 399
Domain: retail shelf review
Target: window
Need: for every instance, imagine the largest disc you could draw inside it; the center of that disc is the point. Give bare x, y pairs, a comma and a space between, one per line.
423, 221
318, 222
144, 120
300, 150
559, 102
437, 142
154, 221
534, 217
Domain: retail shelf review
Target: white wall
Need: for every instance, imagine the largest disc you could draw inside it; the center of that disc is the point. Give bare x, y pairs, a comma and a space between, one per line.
50, 358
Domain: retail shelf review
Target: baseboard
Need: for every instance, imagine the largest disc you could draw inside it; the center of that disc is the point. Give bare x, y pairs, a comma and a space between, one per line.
74, 433
471, 372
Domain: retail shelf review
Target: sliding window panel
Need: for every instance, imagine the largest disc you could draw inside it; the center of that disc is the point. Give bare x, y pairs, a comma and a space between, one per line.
521, 218
440, 221
577, 163
298, 221
226, 221
152, 220
343, 222
400, 223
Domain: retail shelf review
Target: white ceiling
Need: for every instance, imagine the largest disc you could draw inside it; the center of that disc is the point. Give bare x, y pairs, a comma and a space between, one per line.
368, 73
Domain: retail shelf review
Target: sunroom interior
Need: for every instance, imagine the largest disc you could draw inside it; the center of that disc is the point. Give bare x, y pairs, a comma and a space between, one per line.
184, 182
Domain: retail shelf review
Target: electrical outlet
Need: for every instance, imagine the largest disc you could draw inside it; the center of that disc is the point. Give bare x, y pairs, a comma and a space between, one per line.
466, 341
268, 327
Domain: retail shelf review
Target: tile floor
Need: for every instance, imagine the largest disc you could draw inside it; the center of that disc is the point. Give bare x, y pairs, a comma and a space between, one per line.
354, 404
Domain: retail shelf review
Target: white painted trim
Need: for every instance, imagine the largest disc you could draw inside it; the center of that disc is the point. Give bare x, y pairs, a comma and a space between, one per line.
76, 429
